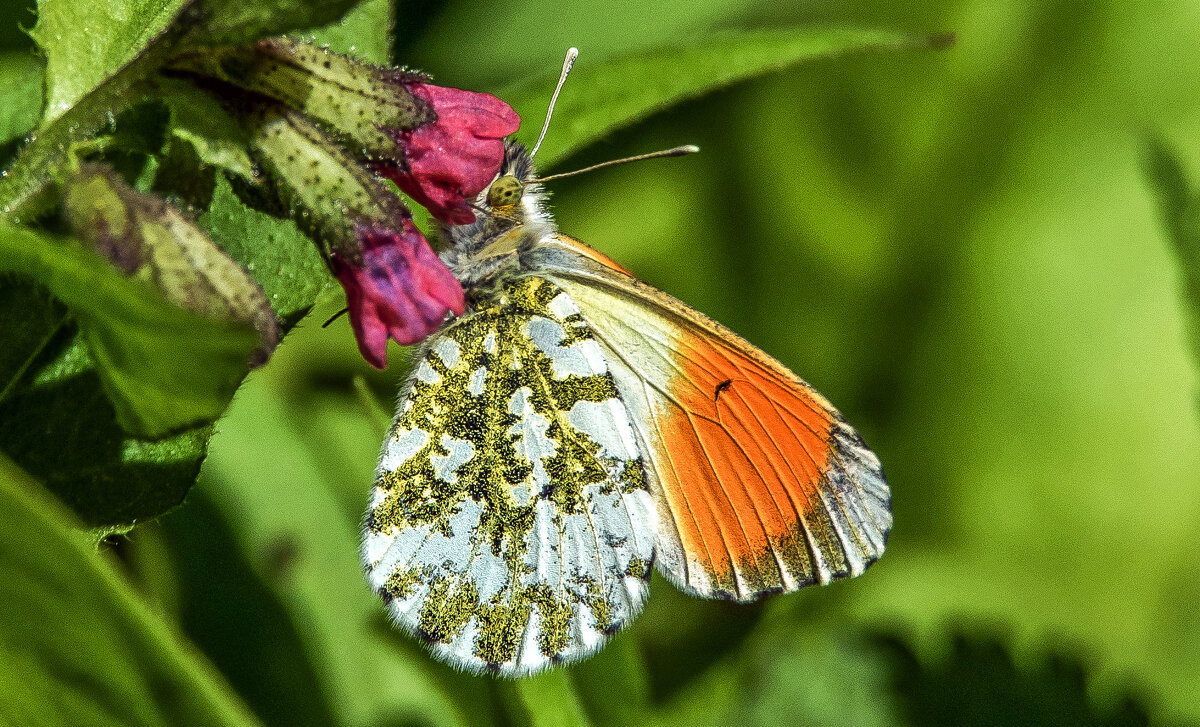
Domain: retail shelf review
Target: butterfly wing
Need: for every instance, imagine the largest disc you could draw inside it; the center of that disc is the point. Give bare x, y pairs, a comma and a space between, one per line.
510, 525
760, 484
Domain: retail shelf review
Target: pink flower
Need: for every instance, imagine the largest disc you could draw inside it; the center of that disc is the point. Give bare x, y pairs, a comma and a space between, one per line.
399, 289
455, 156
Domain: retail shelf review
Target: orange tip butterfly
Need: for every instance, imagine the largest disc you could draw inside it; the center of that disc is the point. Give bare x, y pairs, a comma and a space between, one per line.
574, 429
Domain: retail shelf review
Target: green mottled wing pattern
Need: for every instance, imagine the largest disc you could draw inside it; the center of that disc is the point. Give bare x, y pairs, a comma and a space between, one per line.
510, 524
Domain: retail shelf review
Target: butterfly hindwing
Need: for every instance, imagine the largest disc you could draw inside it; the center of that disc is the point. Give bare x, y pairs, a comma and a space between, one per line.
511, 525
760, 484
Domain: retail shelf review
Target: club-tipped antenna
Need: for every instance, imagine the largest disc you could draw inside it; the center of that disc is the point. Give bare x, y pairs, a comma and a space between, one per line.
673, 152
572, 54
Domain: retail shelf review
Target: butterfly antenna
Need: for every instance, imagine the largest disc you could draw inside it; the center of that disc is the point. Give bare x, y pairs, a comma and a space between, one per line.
674, 152
572, 54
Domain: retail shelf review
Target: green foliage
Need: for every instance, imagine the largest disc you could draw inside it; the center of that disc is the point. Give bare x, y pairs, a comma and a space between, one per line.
87, 43
199, 120
979, 682
612, 94
20, 94
1179, 205
958, 248
79, 646
284, 261
234, 21
163, 367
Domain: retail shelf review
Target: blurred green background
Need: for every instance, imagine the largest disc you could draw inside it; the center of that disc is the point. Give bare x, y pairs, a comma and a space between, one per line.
960, 248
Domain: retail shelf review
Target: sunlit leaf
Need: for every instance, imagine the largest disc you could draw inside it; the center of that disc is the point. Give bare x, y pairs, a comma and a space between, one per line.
365, 32
21, 77
547, 700
280, 257
606, 96
77, 645
87, 42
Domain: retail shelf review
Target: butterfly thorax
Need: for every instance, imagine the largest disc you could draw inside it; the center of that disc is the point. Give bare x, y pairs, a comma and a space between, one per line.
511, 220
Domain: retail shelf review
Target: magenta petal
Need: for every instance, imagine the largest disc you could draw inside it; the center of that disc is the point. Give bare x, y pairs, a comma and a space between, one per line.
456, 156
398, 288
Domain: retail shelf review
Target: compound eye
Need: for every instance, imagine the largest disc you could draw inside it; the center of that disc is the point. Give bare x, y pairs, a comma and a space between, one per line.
505, 192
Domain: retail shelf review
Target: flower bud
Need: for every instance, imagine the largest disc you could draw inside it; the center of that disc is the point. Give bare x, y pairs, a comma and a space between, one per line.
395, 287
356, 100
440, 145
148, 239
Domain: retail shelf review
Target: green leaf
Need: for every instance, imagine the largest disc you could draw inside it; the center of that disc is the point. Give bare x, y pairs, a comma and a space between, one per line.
77, 645
162, 366
606, 96
231, 22
87, 42
1179, 207
548, 700
57, 422
198, 119
233, 613
365, 32
21, 77
280, 257
277, 495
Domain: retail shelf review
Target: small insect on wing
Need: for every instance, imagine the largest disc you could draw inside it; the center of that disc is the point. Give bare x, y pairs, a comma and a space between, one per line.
511, 526
760, 484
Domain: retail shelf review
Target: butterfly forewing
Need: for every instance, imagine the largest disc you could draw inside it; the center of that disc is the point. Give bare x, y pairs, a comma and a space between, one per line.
511, 524
759, 483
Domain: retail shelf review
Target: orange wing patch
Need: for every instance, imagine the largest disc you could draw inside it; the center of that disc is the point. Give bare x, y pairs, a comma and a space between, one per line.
760, 484
749, 452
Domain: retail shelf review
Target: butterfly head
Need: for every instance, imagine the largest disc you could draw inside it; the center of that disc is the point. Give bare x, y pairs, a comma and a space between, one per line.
510, 216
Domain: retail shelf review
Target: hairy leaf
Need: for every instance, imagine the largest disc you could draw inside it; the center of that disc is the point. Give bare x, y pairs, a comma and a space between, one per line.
365, 32
77, 645
163, 367
87, 42
283, 260
57, 422
603, 97
237, 21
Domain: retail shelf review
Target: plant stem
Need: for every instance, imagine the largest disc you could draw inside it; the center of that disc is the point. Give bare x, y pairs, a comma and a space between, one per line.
27, 186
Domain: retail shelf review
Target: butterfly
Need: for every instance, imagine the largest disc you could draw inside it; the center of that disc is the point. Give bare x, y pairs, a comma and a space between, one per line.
576, 428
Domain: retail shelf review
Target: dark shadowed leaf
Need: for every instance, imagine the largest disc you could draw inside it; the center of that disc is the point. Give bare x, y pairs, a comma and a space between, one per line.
979, 683
1179, 207
232, 611
57, 423
602, 97
77, 645
163, 367
237, 21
